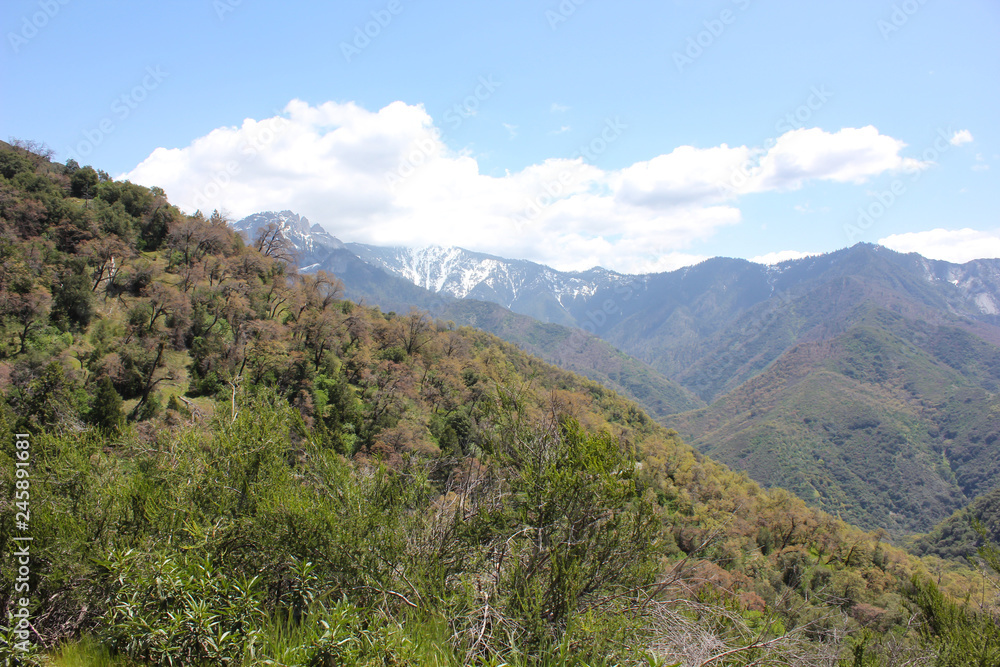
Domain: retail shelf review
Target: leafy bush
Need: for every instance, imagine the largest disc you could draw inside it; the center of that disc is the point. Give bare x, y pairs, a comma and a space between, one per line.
180, 611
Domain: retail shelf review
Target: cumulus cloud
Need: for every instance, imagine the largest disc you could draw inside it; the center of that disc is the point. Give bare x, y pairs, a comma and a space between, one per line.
950, 245
961, 137
386, 177
851, 155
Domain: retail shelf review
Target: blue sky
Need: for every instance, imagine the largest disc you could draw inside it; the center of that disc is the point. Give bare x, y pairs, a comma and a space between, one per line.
734, 127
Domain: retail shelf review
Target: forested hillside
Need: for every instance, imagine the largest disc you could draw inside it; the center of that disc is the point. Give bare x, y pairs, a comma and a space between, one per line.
231, 463
865, 394
827, 375
569, 348
873, 425
958, 536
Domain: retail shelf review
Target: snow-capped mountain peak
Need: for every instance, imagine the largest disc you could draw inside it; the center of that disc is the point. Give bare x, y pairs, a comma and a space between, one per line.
516, 284
312, 243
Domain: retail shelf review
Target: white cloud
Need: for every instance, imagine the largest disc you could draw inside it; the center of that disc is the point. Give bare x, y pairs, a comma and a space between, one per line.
686, 175
561, 130
781, 256
558, 108
961, 137
689, 174
807, 209
851, 155
951, 245
511, 129
386, 177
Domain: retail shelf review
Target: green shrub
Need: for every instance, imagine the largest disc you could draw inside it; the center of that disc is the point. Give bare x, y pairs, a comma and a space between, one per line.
180, 610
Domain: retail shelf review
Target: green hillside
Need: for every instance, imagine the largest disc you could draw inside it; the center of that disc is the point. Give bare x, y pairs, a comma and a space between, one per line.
904, 360
572, 349
230, 463
886, 420
956, 537
871, 426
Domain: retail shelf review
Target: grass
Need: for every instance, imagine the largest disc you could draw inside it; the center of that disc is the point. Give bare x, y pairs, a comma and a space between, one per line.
86, 652
320, 639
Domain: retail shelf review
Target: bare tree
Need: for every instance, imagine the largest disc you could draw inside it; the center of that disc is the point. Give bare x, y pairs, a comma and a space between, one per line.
272, 242
37, 151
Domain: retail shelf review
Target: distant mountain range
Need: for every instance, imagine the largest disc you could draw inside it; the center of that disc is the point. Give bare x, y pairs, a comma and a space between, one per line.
864, 379
575, 350
519, 285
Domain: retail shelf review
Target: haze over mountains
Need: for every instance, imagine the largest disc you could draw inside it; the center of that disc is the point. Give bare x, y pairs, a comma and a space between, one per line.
864, 380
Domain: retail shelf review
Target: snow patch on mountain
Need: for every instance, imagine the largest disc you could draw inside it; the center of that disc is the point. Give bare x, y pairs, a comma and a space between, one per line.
465, 274
987, 304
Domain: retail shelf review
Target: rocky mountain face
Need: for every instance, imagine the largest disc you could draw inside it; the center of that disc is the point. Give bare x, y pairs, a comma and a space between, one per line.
519, 285
312, 243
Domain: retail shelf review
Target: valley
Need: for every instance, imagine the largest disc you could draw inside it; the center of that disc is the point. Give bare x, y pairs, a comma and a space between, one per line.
863, 380
307, 460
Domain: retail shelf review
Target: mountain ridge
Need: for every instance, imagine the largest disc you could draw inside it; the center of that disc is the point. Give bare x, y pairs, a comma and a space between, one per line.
282, 434
898, 343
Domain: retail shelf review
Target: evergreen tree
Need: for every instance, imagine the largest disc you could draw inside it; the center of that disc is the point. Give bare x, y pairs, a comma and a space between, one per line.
106, 413
84, 182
